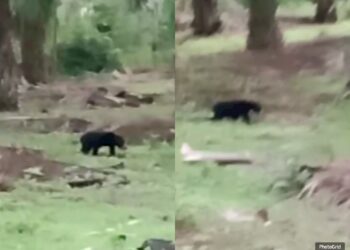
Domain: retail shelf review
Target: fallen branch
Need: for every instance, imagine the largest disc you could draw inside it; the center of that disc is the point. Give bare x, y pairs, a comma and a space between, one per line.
86, 183
191, 155
335, 179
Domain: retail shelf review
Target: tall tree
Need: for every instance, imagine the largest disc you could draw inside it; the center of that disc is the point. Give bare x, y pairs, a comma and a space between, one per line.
264, 32
326, 11
206, 19
32, 48
34, 17
9, 77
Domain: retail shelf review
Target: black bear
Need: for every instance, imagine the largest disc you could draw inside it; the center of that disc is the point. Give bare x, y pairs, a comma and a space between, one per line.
94, 140
235, 110
157, 244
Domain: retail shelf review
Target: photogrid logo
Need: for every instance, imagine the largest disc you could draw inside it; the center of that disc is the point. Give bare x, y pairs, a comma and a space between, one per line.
330, 246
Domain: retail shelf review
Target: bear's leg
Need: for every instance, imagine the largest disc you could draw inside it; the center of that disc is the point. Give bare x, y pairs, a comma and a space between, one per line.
85, 149
112, 150
95, 151
246, 118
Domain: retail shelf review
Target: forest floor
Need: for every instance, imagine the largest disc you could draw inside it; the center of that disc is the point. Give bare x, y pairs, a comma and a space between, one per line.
135, 201
304, 122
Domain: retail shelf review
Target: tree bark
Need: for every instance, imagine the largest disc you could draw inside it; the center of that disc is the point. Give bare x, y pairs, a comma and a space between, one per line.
326, 11
206, 19
33, 35
9, 77
264, 33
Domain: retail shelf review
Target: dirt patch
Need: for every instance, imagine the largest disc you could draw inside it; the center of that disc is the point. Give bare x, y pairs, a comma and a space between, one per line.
50, 97
148, 129
294, 225
185, 227
46, 124
263, 76
62, 105
14, 162
74, 92
312, 56
293, 21
235, 18
19, 163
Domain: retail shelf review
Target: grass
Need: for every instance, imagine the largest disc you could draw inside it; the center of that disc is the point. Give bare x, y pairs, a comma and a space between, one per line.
204, 190
42, 222
205, 187
90, 218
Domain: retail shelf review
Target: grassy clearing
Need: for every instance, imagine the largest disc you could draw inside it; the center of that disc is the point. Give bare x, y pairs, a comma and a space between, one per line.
204, 190
317, 140
90, 218
272, 145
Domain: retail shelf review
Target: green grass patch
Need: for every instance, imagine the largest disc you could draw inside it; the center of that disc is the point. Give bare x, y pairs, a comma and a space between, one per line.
90, 218
273, 146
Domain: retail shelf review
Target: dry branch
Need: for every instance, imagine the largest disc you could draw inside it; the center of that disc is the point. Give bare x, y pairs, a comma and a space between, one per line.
86, 183
335, 178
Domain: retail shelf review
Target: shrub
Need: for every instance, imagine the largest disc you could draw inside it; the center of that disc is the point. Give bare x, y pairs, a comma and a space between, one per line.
82, 55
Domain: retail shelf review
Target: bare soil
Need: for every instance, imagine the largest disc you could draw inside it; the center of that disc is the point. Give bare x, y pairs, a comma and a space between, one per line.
235, 19
14, 161
294, 59
149, 129
294, 225
265, 77
62, 106
24, 163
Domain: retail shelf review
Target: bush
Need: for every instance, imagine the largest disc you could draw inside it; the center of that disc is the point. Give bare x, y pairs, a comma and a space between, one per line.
97, 35
83, 55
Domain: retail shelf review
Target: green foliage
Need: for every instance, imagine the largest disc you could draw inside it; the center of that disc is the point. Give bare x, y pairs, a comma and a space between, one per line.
86, 55
131, 32
88, 218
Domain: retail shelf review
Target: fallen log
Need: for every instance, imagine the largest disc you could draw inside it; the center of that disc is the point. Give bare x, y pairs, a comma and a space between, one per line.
191, 155
86, 183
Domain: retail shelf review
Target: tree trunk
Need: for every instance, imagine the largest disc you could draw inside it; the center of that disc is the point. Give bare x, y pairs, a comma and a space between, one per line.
326, 11
9, 77
264, 32
206, 19
33, 36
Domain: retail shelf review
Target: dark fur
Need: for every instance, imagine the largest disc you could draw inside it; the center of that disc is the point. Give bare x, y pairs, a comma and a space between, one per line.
238, 109
94, 140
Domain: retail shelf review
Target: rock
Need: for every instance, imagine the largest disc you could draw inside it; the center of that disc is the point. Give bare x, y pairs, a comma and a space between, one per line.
157, 244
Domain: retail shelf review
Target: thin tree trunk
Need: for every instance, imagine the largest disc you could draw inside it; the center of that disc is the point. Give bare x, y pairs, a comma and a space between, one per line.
264, 32
9, 77
33, 37
326, 11
206, 19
